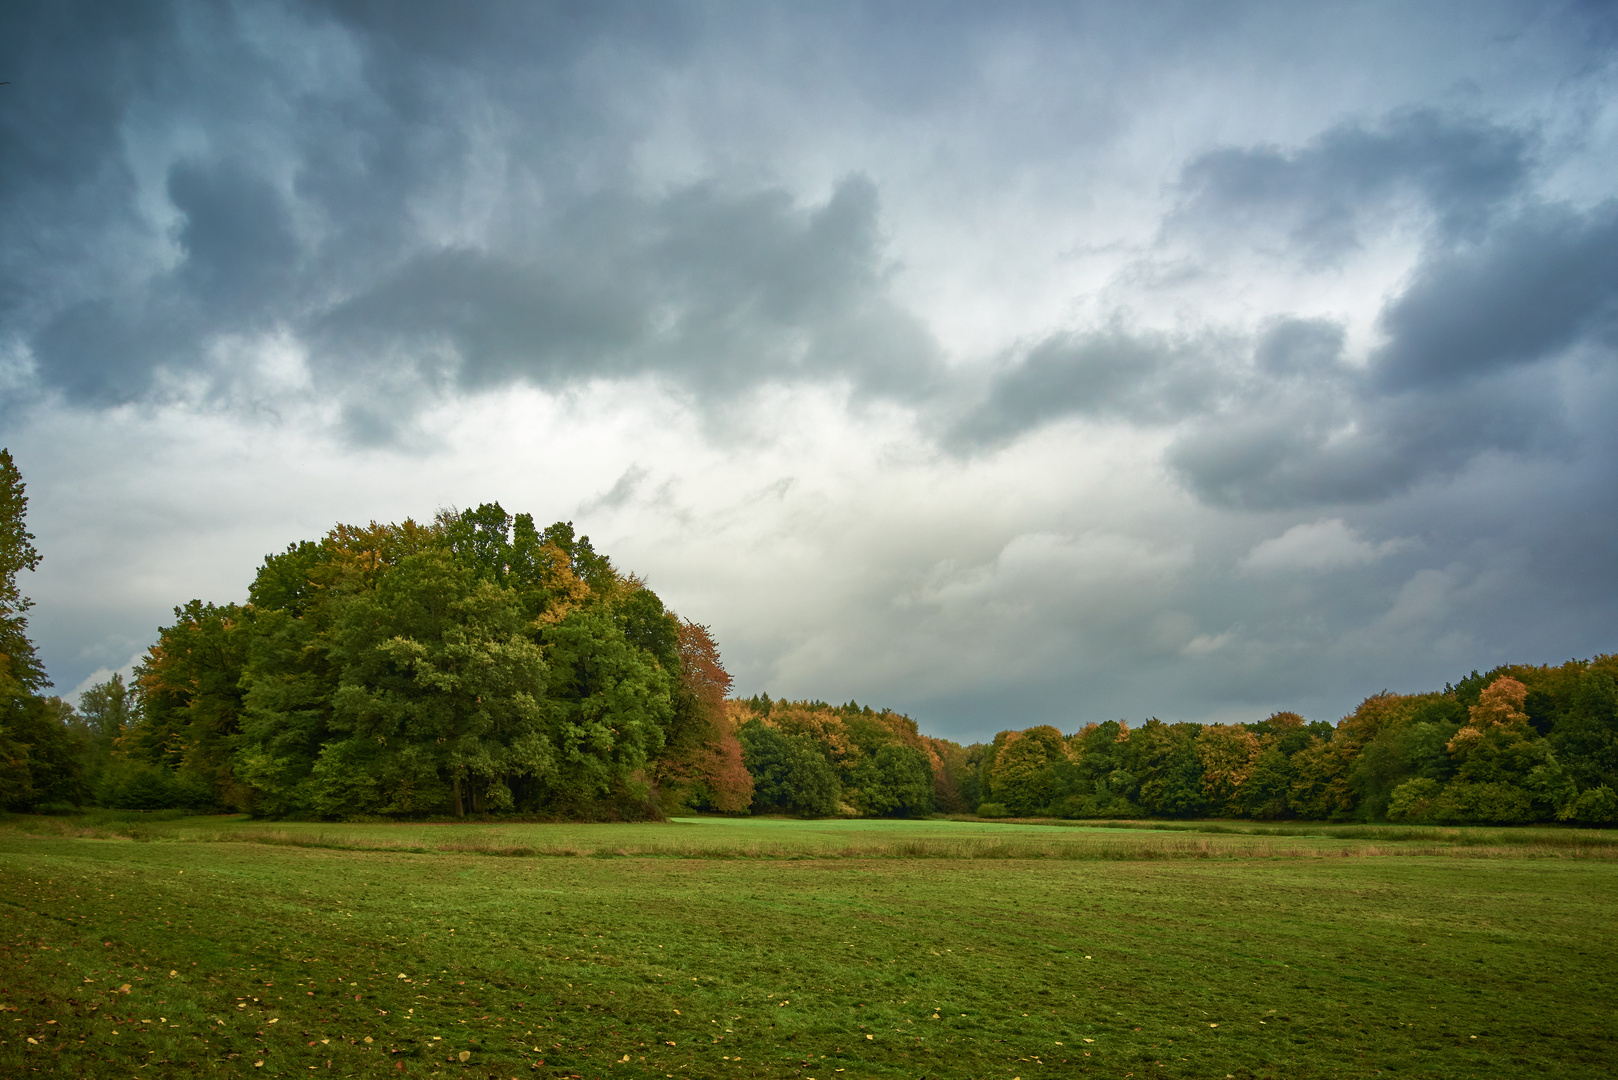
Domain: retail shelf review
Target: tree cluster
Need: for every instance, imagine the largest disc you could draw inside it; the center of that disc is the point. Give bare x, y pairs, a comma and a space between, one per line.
479, 664
476, 664
818, 760
1519, 744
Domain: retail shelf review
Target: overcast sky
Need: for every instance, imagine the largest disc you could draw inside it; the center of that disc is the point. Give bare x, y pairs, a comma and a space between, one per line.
1000, 363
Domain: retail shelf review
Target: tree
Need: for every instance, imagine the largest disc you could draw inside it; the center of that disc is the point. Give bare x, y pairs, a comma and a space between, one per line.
1100, 780
610, 706
191, 690
1165, 759
19, 665
40, 761
1023, 774
895, 781
702, 762
1320, 788
1228, 754
1585, 738
789, 773
441, 696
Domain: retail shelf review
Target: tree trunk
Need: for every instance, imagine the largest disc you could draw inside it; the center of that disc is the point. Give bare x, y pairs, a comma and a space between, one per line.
460, 810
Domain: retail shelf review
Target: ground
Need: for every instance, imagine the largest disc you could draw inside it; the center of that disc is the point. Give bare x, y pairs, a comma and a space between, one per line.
775, 948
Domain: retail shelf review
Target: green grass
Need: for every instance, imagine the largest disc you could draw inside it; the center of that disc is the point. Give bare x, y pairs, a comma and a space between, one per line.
773, 948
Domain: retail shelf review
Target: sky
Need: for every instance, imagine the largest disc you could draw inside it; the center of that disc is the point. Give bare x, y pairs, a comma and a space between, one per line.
1001, 364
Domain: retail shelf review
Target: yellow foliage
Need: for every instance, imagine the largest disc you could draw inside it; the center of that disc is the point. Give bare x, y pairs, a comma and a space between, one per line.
1500, 703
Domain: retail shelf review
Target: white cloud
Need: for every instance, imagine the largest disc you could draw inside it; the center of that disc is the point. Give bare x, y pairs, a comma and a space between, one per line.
1328, 544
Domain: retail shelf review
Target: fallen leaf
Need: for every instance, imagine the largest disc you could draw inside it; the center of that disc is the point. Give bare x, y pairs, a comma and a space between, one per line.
870, 1036
367, 1038
33, 1040
172, 974
463, 1055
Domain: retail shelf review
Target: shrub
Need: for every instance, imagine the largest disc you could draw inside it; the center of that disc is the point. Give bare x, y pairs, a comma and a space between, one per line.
1597, 806
1495, 803
993, 810
1413, 800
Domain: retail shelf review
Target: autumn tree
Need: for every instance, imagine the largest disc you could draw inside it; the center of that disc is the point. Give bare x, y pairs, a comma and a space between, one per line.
702, 764
1227, 754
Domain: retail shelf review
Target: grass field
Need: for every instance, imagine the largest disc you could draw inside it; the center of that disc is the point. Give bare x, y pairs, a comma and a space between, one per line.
826, 950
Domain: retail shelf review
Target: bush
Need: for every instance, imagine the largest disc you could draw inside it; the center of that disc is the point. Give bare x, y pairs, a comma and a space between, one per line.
1495, 803
1413, 800
1597, 806
993, 810
1102, 804
137, 786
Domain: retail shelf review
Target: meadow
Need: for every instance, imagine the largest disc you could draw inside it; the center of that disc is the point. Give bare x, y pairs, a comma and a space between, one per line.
765, 947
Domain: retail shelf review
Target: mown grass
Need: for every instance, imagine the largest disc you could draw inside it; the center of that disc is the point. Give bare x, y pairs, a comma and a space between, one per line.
769, 948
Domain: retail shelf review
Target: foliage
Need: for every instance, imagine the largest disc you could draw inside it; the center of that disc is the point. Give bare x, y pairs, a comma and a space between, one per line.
474, 665
1518, 744
40, 759
20, 670
789, 772
877, 762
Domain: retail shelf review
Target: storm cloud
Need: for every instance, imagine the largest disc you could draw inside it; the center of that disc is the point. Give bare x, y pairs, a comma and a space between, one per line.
1036, 362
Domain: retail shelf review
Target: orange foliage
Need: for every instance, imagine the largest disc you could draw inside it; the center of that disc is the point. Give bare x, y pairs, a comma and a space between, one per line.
710, 754
1374, 713
1228, 753
701, 673
1285, 721
821, 725
1500, 703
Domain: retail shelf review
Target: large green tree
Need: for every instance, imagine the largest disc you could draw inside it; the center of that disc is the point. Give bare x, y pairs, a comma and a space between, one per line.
40, 759
20, 669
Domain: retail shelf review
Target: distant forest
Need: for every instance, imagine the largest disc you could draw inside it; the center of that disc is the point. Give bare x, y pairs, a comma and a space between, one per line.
480, 665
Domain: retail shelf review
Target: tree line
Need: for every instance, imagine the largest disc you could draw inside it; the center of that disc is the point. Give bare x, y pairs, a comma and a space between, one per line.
478, 664
1519, 744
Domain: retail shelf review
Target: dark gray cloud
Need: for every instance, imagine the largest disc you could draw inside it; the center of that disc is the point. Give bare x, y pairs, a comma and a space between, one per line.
1319, 197
716, 290
1507, 284
1535, 286
1321, 443
1468, 368
1109, 375
312, 225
